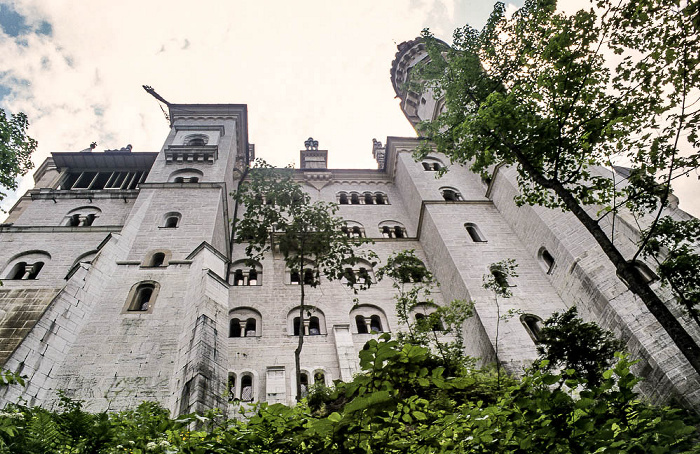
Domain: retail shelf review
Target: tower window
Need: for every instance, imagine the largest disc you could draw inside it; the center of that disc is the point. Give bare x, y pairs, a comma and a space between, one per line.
533, 325
314, 326
304, 384
369, 199
450, 195
474, 233
355, 198
171, 220
343, 198
143, 297
361, 324
548, 261
158, 259
234, 328
375, 324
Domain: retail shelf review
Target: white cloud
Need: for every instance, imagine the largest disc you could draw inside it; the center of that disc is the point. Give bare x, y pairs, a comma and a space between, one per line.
303, 68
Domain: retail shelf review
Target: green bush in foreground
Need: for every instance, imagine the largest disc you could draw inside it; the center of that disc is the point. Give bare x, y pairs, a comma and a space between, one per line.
404, 402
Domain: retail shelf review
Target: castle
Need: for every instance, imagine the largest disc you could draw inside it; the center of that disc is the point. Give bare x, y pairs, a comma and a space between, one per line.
122, 281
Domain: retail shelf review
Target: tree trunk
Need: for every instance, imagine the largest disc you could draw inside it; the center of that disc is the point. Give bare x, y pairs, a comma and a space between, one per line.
300, 345
626, 270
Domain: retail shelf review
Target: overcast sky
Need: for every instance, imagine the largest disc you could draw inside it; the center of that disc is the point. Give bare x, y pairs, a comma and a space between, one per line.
304, 68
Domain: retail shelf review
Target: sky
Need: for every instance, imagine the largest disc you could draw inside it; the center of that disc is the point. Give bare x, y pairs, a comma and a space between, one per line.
305, 68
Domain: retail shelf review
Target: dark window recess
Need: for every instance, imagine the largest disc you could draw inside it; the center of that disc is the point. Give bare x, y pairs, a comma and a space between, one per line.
103, 180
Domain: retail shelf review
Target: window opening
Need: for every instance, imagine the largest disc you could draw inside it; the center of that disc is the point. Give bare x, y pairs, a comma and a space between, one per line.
304, 382
474, 233
343, 199
294, 277
548, 261
355, 199
142, 301
380, 198
426, 166
250, 330
533, 325
451, 195
172, 222
386, 232
361, 324
158, 259
296, 326
314, 326
231, 387
398, 232
234, 328
252, 277
369, 200
309, 277
319, 378
238, 278
74, 220
375, 324
247, 388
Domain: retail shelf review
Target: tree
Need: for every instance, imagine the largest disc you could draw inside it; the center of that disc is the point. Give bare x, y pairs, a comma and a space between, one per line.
280, 218
16, 148
414, 286
569, 343
538, 91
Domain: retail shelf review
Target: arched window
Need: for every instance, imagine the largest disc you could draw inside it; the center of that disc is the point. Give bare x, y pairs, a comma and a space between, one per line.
375, 324
26, 265
360, 272
647, 274
474, 233
319, 378
304, 384
196, 140
245, 322
355, 198
353, 229
82, 217
143, 296
309, 278
247, 388
186, 176
361, 324
231, 387
380, 198
294, 277
250, 327
171, 220
246, 273
158, 259
369, 198
368, 319
342, 198
314, 322
392, 229
314, 326
547, 260
533, 325
500, 277
234, 328
424, 314
432, 164
450, 194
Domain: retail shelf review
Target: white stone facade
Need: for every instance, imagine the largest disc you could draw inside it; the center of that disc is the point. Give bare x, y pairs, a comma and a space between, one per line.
138, 305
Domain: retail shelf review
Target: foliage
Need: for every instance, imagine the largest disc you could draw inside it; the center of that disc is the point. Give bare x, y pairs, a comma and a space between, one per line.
280, 217
584, 349
679, 263
16, 148
539, 91
442, 327
403, 402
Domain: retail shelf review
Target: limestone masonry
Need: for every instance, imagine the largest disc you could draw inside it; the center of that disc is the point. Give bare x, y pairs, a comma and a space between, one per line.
122, 282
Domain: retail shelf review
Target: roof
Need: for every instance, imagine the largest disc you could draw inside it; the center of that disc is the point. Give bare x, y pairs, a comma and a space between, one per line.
107, 160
